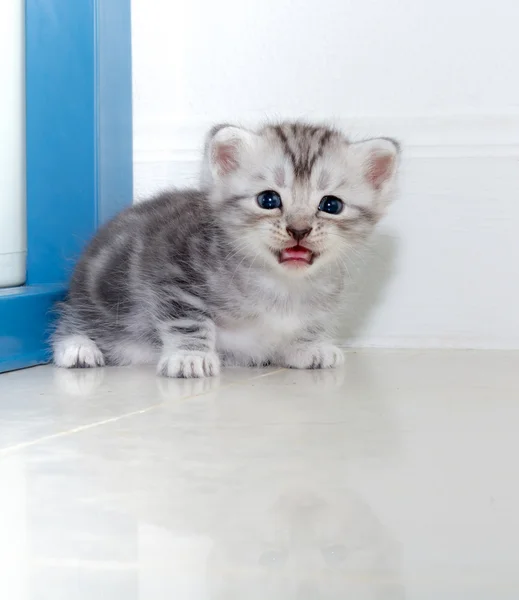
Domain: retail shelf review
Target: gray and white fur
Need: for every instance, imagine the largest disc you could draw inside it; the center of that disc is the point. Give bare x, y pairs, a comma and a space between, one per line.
193, 278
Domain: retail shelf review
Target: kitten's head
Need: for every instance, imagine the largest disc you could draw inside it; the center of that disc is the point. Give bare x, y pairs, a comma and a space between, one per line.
296, 196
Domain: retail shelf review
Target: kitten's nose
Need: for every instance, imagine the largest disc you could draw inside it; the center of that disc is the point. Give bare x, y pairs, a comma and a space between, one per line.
299, 234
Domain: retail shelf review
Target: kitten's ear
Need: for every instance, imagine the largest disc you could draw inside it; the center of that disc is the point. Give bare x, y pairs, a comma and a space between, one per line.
377, 160
227, 148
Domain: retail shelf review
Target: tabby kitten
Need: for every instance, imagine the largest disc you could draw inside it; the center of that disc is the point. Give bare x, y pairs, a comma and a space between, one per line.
247, 270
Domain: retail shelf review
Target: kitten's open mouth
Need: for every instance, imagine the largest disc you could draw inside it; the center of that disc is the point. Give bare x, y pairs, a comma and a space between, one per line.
297, 256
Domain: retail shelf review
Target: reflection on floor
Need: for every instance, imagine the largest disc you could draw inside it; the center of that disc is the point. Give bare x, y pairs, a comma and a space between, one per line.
393, 478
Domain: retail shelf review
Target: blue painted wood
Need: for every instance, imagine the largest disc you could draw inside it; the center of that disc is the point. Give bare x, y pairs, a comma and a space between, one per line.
26, 320
79, 130
79, 154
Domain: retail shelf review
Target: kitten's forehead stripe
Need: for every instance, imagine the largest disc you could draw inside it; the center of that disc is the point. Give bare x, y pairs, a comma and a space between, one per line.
279, 176
304, 145
286, 146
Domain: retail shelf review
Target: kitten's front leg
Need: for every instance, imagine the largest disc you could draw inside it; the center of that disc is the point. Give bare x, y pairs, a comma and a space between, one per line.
312, 354
188, 348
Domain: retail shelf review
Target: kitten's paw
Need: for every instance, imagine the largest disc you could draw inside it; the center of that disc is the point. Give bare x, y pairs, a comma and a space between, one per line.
189, 365
77, 351
321, 356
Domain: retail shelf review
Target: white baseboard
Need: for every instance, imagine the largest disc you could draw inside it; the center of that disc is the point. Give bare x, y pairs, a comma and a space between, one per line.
162, 139
428, 343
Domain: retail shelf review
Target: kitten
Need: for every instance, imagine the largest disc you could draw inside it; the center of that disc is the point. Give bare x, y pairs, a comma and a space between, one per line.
247, 270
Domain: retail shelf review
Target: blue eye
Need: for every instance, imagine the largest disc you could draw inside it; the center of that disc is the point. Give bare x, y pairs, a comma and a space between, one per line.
269, 200
331, 205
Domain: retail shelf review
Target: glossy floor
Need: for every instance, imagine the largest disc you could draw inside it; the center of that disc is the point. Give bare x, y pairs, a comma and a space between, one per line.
394, 478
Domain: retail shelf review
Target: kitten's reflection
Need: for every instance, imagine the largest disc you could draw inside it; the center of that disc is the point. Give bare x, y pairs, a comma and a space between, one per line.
170, 388
129, 380
79, 382
89, 382
305, 546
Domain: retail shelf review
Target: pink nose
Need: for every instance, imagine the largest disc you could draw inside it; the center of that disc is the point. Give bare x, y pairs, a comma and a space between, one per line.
299, 234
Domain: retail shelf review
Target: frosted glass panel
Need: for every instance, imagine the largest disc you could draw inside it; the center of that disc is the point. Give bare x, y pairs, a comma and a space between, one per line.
13, 246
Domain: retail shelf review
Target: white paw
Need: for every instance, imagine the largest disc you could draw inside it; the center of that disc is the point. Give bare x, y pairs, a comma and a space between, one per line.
189, 365
77, 351
322, 356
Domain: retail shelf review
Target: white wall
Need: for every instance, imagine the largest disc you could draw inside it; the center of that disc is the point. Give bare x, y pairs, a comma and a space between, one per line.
442, 76
12, 144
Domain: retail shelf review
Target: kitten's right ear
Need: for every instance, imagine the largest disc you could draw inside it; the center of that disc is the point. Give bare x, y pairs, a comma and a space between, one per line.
377, 160
226, 149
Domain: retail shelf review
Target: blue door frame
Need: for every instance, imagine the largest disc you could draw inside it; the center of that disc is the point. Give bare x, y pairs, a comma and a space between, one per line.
78, 155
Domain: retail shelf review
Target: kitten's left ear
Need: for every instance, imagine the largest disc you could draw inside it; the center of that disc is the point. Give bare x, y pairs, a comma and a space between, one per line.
227, 148
377, 160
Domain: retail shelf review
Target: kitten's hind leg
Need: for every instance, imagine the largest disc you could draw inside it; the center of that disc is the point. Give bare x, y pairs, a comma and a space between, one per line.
76, 351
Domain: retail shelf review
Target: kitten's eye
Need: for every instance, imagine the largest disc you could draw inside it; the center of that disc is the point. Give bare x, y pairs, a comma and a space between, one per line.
331, 205
269, 199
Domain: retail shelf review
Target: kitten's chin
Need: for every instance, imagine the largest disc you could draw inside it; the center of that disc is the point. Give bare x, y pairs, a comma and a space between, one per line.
295, 264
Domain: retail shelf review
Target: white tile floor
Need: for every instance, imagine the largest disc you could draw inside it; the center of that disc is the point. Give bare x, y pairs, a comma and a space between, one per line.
395, 478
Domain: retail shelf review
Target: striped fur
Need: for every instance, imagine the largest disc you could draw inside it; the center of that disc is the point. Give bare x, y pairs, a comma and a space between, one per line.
192, 277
